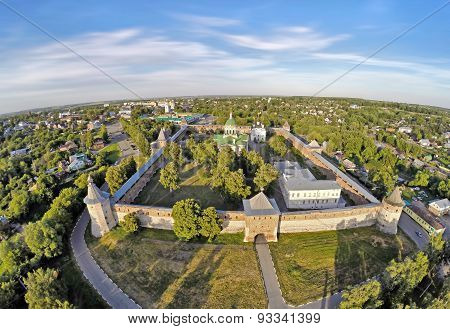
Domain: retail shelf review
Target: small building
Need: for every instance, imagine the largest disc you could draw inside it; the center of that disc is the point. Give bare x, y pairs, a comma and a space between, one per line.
68, 146
258, 133
315, 146
19, 152
98, 143
76, 165
439, 207
418, 164
405, 130
425, 143
94, 125
420, 214
349, 165
301, 190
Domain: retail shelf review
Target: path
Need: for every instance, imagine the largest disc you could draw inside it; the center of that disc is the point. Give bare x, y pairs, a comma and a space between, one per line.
410, 227
109, 291
272, 285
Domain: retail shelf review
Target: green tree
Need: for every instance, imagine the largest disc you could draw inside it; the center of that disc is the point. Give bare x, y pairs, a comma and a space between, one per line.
366, 295
435, 249
420, 179
210, 224
130, 223
265, 175
7, 294
115, 177
278, 145
169, 177
15, 256
44, 290
43, 239
235, 185
173, 153
186, 215
19, 206
103, 133
88, 140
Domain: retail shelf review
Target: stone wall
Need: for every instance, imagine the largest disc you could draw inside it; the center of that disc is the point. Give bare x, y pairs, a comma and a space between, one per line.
217, 128
330, 219
150, 217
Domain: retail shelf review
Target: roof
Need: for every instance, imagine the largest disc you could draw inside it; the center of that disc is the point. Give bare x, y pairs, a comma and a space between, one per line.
162, 135
230, 121
94, 195
395, 198
441, 204
260, 205
286, 125
314, 144
231, 140
419, 208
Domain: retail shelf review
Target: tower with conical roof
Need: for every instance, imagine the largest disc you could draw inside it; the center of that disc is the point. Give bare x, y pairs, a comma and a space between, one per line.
391, 209
98, 204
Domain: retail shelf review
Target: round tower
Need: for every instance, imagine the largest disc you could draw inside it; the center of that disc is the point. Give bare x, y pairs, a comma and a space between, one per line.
391, 209
98, 204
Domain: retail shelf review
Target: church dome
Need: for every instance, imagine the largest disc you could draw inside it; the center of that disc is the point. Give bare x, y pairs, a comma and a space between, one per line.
230, 121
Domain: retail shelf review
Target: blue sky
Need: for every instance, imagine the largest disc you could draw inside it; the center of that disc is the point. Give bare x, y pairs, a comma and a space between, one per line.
175, 48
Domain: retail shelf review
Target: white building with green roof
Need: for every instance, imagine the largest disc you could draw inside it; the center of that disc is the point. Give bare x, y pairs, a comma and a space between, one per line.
231, 138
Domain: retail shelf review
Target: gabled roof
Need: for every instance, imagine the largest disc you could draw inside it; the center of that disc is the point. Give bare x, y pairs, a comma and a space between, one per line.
395, 198
260, 205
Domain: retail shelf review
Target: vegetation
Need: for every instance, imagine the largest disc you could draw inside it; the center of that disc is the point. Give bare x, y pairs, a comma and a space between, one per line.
158, 273
130, 223
116, 176
315, 264
190, 221
169, 177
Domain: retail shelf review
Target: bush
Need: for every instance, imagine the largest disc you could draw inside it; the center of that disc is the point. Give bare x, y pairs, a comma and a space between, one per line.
130, 223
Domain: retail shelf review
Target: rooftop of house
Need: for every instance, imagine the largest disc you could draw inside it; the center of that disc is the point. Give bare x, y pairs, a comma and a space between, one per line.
441, 204
420, 209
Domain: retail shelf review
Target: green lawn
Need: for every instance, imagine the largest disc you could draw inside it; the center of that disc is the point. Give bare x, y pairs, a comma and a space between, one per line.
113, 152
193, 185
315, 264
158, 271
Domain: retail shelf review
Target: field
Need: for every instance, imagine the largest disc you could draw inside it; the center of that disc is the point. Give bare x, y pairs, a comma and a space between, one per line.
112, 152
193, 185
315, 264
158, 271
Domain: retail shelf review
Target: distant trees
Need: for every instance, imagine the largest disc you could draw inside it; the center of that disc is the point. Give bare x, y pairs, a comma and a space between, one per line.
45, 291
88, 140
169, 177
190, 221
420, 179
103, 133
130, 223
138, 137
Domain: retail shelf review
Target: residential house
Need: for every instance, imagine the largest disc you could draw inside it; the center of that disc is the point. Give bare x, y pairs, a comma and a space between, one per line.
68, 146
405, 130
349, 165
440, 207
425, 143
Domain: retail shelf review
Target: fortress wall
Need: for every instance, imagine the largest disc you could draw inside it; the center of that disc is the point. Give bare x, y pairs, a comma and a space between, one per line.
215, 128
134, 191
324, 220
150, 217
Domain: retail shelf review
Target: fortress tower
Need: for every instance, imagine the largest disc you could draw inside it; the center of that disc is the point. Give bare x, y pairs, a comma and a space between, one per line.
99, 206
390, 212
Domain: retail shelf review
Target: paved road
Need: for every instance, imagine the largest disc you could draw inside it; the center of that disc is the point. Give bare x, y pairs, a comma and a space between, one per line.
410, 227
116, 135
330, 302
110, 292
269, 274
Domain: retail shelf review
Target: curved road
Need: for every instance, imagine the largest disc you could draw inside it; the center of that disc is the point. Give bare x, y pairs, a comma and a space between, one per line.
109, 291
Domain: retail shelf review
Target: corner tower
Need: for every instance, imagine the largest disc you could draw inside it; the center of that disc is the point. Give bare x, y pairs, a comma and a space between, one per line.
391, 209
99, 206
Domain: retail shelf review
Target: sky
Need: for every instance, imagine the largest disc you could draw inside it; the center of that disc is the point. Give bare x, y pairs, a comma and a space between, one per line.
188, 48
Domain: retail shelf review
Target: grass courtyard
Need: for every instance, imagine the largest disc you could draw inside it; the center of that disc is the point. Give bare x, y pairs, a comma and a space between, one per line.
112, 152
193, 185
158, 271
312, 265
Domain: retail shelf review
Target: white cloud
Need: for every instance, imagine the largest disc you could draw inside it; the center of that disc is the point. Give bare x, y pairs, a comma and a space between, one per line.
287, 38
207, 20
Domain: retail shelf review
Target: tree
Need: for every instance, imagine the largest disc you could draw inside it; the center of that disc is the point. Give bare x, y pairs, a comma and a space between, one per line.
19, 205
210, 224
44, 291
186, 215
278, 145
15, 256
130, 223
265, 175
420, 179
88, 140
103, 133
435, 249
235, 185
43, 239
400, 278
128, 166
169, 177
366, 295
173, 153
115, 177
7, 294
